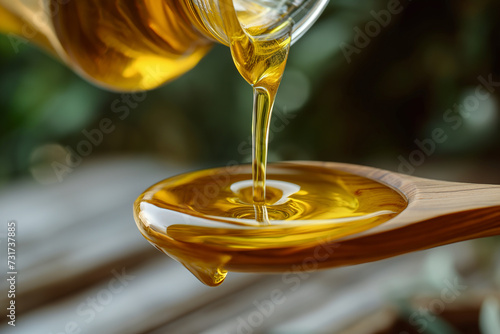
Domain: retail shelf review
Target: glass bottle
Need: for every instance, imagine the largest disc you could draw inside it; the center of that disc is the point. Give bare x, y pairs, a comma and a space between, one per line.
130, 45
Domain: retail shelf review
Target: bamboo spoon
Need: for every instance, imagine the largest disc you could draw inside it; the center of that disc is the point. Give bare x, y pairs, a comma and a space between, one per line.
437, 213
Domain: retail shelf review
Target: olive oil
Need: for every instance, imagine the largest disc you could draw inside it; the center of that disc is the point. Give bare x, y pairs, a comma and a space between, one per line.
239, 218
208, 221
260, 56
130, 45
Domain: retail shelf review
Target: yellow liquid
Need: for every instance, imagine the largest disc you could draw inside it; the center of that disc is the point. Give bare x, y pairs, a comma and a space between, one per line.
239, 219
223, 219
207, 220
126, 45
260, 56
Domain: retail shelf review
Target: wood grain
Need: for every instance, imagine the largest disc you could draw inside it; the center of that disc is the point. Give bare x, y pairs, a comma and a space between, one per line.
438, 213
67, 255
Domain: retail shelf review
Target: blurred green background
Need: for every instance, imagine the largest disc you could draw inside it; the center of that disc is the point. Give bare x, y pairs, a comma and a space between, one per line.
368, 110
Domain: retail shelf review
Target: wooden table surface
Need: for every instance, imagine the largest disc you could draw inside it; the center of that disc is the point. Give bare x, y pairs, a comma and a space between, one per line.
83, 267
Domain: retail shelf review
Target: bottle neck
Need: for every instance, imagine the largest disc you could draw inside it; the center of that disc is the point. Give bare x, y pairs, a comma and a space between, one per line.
206, 17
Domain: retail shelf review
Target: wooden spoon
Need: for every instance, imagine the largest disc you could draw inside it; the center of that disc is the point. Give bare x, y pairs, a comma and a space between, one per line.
437, 213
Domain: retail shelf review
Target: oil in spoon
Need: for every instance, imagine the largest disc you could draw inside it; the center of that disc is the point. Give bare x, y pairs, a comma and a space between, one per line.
239, 218
207, 220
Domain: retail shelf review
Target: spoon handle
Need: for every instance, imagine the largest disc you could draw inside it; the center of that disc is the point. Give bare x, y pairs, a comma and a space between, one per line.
474, 206
420, 235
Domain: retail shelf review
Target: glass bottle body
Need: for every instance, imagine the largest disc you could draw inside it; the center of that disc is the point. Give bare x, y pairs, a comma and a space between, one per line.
130, 45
